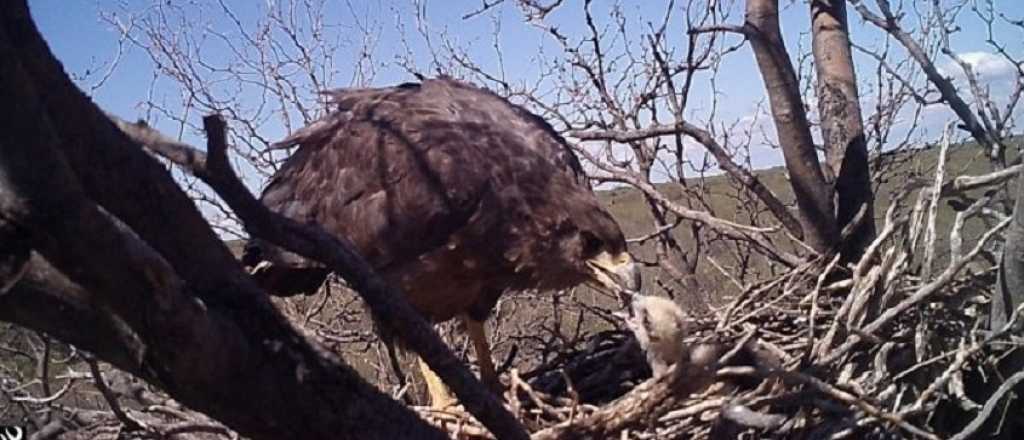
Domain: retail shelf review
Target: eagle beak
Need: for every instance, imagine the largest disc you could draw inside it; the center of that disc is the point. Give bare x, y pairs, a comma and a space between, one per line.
615, 274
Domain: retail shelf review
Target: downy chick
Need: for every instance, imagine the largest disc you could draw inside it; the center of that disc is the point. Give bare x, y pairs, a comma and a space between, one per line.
659, 325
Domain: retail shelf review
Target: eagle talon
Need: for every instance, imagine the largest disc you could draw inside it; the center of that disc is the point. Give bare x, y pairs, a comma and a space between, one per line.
626, 298
449, 403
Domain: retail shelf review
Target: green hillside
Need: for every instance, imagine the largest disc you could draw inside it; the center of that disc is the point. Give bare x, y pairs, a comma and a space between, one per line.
628, 206
892, 172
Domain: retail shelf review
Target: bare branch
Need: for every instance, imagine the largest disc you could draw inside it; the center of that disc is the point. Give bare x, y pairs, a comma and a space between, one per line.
990, 405
890, 24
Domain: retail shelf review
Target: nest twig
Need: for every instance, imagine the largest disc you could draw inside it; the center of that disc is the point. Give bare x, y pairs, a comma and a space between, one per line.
881, 348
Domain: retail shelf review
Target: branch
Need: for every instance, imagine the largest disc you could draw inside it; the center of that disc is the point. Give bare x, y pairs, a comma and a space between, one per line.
486, 6
890, 24
741, 174
962, 184
752, 234
740, 29
108, 395
47, 301
745, 416
535, 11
627, 136
990, 405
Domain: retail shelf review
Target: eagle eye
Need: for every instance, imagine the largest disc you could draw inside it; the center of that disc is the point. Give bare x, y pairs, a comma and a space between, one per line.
591, 244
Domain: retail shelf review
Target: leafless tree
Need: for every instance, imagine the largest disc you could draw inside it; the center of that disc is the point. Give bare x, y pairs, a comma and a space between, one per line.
628, 86
797, 269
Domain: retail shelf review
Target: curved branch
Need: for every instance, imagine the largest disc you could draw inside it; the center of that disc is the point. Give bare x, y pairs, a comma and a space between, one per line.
989, 406
743, 175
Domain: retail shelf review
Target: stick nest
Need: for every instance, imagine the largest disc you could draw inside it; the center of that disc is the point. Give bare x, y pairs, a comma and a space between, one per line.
867, 350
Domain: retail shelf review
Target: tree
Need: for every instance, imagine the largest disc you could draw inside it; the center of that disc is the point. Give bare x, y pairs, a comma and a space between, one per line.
123, 266
846, 152
813, 196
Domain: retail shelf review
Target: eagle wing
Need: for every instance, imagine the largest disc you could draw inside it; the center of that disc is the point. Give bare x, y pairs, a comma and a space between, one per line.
400, 170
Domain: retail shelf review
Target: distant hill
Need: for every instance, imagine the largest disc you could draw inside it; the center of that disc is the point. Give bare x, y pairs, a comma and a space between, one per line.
628, 206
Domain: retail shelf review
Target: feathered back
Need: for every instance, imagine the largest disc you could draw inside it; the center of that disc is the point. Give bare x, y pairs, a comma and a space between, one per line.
403, 171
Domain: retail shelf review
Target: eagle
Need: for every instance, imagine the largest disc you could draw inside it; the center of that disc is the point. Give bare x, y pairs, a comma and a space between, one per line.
453, 194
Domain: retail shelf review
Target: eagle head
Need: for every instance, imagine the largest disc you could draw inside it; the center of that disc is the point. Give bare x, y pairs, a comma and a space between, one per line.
597, 249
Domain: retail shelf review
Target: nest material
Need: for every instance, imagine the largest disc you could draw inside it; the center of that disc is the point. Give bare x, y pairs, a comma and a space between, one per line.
895, 345
787, 359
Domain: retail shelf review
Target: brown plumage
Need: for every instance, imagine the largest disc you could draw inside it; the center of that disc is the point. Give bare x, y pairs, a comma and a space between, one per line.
452, 193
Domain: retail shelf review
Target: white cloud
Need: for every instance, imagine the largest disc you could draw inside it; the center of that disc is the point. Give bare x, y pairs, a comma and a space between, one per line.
986, 65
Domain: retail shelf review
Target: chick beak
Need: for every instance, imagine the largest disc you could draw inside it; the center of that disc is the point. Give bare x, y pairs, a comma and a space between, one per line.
616, 274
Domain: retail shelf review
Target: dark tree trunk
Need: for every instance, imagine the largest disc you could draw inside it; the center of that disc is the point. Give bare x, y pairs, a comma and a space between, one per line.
813, 194
1009, 292
1008, 296
143, 282
842, 127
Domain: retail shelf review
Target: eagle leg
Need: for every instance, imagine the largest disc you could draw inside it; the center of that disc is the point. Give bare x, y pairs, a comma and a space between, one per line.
440, 396
482, 347
396, 366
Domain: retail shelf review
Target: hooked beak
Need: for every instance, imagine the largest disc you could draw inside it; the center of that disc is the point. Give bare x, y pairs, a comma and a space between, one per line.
616, 274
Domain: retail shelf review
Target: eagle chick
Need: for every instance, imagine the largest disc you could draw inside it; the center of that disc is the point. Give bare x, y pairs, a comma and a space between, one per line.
659, 326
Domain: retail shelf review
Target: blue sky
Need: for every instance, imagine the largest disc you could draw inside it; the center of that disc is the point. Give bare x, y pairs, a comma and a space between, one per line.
86, 44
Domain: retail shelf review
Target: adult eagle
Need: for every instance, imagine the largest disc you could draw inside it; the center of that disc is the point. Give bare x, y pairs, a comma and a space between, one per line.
453, 194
